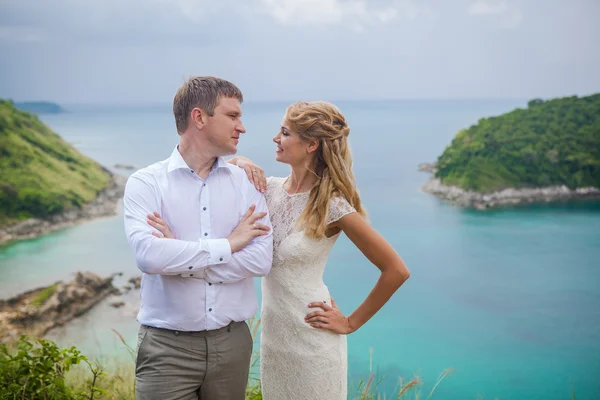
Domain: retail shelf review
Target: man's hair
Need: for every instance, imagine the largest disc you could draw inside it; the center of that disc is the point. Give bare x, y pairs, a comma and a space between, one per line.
203, 92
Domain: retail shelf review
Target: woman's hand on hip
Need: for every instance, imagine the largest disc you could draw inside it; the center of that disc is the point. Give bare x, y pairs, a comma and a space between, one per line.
330, 318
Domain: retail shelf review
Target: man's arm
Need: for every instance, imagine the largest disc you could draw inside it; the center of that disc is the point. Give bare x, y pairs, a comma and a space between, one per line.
255, 259
164, 257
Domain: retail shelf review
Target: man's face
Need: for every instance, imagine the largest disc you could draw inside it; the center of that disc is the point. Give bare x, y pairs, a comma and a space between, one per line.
225, 127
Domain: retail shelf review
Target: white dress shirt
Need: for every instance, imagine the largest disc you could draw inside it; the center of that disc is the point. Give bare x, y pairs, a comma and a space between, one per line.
194, 282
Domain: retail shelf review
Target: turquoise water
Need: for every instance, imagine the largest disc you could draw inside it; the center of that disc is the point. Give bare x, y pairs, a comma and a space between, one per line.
510, 298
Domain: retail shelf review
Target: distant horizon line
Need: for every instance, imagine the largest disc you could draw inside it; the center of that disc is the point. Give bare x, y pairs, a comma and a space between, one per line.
288, 101
263, 101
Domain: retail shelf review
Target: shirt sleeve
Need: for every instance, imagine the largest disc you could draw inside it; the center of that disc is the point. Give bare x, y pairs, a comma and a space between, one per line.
164, 256
256, 258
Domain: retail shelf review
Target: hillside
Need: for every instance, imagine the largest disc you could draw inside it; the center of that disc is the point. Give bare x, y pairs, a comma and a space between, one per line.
551, 143
40, 173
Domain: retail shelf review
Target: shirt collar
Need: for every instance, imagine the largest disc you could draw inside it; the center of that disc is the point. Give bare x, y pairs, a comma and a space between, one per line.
176, 161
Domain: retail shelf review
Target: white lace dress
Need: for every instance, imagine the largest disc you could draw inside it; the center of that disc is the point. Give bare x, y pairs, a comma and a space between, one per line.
298, 361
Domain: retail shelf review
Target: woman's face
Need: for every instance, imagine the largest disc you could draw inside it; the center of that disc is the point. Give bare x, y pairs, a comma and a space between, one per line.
291, 148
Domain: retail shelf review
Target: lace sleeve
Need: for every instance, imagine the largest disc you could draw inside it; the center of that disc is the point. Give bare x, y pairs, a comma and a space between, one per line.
339, 208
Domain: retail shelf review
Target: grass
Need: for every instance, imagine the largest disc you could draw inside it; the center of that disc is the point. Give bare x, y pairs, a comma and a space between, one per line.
40, 173
115, 379
118, 381
411, 389
44, 295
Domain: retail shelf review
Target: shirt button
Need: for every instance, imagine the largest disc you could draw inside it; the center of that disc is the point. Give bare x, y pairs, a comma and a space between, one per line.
190, 267
191, 274
204, 208
220, 281
209, 284
204, 184
192, 171
210, 309
205, 234
221, 259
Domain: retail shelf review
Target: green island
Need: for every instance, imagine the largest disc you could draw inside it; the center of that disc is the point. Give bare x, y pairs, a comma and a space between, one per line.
546, 152
44, 178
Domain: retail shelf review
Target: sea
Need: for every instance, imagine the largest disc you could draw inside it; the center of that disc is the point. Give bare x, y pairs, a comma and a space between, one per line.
505, 304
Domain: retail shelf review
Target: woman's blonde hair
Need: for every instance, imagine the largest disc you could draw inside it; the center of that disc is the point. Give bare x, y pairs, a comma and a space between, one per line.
332, 162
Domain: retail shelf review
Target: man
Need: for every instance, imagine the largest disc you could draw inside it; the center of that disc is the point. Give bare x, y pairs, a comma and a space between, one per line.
197, 289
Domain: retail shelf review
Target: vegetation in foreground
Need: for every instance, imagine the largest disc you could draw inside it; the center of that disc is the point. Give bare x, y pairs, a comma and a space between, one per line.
39, 369
550, 143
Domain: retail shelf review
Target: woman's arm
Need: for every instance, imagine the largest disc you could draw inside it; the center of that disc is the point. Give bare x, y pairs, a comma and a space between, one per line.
256, 174
393, 274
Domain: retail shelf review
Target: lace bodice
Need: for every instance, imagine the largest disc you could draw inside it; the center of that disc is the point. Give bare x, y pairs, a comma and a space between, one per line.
285, 209
297, 360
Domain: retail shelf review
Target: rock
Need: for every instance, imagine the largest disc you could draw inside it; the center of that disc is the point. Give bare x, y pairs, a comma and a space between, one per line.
427, 167
136, 282
117, 304
39, 310
506, 197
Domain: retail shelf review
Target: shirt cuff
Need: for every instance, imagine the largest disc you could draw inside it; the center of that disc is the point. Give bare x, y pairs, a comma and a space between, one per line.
198, 274
220, 251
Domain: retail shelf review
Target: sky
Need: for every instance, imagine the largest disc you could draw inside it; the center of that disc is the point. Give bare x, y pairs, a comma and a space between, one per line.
140, 51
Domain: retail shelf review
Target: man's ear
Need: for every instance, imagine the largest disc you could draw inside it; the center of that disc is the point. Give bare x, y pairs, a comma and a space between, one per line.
198, 117
313, 145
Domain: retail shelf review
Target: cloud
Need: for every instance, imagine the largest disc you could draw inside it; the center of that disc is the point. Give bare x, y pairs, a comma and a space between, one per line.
196, 10
121, 22
355, 13
487, 7
196, 22
317, 12
509, 16
20, 34
140, 50
412, 10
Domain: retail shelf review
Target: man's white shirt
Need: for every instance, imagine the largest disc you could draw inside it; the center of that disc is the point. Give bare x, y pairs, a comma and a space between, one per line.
194, 282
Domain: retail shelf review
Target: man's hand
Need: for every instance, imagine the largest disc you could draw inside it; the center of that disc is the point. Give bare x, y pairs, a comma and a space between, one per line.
156, 221
247, 230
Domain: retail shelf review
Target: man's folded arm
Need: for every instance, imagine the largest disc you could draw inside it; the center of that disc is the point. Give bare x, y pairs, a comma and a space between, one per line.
252, 261
159, 256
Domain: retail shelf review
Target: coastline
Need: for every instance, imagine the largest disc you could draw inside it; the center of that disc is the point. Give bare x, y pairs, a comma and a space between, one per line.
105, 204
505, 197
37, 311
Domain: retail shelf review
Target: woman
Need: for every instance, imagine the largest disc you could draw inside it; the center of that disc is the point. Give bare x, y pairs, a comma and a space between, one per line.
303, 343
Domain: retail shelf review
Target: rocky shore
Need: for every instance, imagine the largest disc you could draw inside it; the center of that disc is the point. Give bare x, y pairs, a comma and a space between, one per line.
505, 197
37, 311
105, 204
